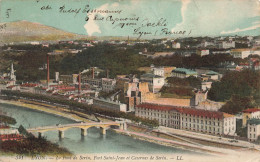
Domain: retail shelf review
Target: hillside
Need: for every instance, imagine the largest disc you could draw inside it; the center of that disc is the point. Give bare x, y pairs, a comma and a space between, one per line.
23, 31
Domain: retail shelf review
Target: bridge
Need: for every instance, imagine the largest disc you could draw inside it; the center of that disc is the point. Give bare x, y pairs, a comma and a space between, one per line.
83, 126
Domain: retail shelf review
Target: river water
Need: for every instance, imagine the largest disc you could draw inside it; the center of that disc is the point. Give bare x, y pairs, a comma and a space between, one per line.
94, 142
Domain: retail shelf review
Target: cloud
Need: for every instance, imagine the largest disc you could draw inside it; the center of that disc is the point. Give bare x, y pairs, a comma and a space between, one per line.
91, 26
184, 6
241, 30
214, 17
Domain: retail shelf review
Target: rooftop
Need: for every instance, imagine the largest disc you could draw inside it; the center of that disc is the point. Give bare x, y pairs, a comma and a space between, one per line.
186, 110
212, 73
240, 49
252, 110
185, 71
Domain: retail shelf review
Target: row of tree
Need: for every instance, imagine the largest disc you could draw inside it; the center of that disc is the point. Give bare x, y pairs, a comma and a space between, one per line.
118, 59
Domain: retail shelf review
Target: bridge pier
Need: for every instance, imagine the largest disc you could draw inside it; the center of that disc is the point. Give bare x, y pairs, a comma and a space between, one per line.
103, 130
123, 126
84, 132
61, 134
40, 134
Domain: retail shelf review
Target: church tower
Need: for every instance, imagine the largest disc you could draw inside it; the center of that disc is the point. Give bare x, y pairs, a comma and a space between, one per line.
12, 76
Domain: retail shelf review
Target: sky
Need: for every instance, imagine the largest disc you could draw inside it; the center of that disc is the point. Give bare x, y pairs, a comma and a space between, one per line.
140, 17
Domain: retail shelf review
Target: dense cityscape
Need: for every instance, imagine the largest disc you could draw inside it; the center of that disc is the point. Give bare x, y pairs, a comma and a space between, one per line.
200, 89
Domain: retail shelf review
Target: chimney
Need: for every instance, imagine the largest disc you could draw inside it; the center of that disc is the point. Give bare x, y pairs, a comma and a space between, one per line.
79, 88
107, 73
93, 73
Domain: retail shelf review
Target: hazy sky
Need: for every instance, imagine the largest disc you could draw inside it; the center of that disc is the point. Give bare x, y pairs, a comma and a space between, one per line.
196, 17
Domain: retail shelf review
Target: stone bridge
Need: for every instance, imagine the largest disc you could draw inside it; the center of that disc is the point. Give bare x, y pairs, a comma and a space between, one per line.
83, 126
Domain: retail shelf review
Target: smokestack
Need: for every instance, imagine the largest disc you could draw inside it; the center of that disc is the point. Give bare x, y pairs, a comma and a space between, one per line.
79, 88
93, 73
107, 73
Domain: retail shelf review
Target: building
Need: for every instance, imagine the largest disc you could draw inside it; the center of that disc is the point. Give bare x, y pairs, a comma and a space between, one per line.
157, 70
12, 75
253, 113
202, 52
110, 105
135, 92
28, 87
207, 44
253, 129
156, 82
185, 118
183, 73
205, 85
168, 71
176, 45
227, 44
93, 82
244, 52
200, 101
108, 85
211, 75
68, 79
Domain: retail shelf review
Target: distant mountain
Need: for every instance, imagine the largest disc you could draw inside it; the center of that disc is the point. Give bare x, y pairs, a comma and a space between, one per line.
23, 31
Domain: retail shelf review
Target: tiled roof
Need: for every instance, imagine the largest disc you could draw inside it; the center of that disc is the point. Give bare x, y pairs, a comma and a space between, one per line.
240, 49
185, 71
184, 110
212, 73
29, 85
251, 110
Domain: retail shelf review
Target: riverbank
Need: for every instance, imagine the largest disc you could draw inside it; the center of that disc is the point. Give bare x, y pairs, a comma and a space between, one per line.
58, 112
32, 146
185, 145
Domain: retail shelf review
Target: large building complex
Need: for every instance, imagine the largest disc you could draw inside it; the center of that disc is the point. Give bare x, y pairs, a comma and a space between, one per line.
191, 119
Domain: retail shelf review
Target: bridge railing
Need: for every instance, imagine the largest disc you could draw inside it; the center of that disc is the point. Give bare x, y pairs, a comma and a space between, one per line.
75, 124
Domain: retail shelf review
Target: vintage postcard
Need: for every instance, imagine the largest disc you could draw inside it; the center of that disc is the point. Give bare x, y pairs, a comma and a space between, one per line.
130, 80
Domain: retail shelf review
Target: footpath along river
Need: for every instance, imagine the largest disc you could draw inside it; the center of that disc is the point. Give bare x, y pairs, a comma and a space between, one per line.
94, 142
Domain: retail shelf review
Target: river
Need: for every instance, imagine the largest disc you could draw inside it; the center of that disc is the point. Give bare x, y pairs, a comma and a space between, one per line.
94, 142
